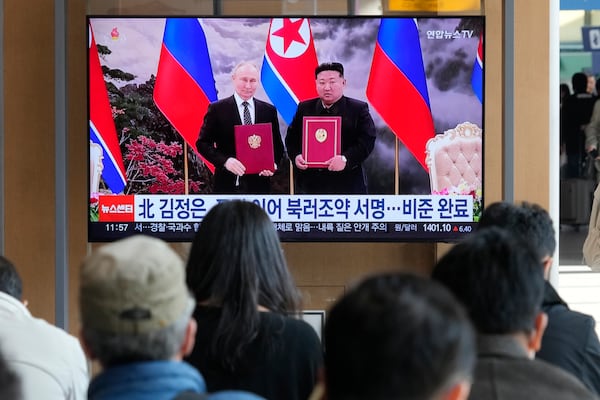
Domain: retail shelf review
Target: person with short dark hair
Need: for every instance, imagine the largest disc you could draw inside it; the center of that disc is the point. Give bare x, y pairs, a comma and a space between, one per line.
398, 336
498, 278
247, 307
570, 340
591, 84
136, 321
565, 91
344, 172
50, 363
575, 115
216, 141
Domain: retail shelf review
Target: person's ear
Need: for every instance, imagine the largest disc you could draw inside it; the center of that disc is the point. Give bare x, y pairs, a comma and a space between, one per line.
547, 264
534, 342
189, 338
320, 390
459, 391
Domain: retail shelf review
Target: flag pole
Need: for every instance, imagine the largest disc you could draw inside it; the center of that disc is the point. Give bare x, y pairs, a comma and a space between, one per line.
291, 177
397, 168
185, 169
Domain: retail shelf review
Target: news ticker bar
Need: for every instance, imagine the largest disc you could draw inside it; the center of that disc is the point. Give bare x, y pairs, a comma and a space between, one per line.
291, 208
296, 231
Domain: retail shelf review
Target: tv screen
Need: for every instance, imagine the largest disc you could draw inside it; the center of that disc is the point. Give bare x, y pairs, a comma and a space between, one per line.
152, 81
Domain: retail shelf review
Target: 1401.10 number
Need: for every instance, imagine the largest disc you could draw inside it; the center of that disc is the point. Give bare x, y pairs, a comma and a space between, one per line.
437, 227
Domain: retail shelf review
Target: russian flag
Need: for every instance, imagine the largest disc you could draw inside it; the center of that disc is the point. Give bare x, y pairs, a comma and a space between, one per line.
288, 69
102, 124
397, 87
185, 84
477, 76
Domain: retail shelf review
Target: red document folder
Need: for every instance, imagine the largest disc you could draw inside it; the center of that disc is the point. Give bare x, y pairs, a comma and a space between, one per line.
254, 147
321, 139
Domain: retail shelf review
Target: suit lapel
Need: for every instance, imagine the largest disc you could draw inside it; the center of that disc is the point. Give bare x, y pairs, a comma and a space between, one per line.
234, 110
258, 116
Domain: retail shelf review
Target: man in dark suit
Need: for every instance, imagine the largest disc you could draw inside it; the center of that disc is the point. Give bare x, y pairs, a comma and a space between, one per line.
570, 340
216, 141
498, 277
344, 172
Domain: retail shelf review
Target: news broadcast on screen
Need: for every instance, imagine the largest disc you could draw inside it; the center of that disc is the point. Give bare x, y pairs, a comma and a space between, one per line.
399, 157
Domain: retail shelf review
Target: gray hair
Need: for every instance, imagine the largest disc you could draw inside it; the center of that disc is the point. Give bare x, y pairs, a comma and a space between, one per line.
118, 348
243, 64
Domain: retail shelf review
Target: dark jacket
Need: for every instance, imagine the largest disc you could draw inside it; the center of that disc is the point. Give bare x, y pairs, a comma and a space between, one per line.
504, 372
216, 143
570, 340
357, 137
151, 380
156, 380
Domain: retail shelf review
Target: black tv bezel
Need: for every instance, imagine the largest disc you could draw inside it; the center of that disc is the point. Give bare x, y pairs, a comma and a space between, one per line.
98, 232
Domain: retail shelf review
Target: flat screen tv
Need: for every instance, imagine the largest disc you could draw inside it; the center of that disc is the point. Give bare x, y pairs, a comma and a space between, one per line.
151, 79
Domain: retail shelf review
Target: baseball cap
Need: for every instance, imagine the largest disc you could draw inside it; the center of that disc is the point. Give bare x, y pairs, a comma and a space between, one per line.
131, 286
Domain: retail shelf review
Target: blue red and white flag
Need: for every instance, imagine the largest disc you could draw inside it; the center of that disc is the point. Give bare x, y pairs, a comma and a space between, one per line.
185, 84
102, 124
477, 76
288, 69
397, 87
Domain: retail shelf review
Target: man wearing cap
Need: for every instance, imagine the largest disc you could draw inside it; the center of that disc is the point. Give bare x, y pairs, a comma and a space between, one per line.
344, 173
136, 321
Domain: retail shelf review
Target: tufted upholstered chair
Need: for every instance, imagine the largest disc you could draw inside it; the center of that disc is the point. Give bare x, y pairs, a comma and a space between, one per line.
454, 158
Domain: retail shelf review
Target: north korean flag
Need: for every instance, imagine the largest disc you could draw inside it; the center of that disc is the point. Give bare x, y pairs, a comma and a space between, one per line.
102, 124
477, 77
288, 69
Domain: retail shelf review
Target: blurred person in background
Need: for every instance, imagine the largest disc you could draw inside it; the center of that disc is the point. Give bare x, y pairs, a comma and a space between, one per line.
575, 115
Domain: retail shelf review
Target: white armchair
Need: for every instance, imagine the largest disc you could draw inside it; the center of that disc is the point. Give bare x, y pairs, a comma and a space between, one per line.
454, 158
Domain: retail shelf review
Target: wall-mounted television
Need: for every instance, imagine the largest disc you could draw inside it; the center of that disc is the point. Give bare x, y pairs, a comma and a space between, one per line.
151, 79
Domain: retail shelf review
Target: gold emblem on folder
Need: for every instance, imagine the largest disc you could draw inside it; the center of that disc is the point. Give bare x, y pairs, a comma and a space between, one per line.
254, 141
321, 135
